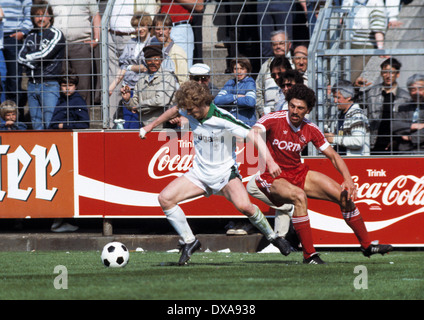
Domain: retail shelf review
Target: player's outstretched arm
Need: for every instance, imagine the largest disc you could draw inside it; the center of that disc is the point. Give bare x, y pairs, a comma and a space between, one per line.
255, 135
166, 116
341, 166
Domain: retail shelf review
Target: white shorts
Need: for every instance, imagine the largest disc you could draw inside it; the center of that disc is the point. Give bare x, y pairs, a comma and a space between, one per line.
211, 188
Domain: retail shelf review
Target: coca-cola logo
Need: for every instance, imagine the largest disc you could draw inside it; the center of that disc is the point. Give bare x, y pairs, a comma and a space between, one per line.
168, 161
401, 190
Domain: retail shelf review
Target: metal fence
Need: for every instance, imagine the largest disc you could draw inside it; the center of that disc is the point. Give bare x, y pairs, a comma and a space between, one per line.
218, 32
336, 58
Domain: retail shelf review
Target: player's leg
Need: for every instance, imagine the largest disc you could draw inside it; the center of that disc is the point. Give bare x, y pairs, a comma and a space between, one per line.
236, 193
320, 186
284, 191
282, 213
179, 190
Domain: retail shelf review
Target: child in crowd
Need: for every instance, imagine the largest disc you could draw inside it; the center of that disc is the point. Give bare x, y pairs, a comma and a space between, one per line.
71, 111
9, 115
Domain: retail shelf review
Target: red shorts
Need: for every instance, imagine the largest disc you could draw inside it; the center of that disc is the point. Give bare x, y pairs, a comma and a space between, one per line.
295, 176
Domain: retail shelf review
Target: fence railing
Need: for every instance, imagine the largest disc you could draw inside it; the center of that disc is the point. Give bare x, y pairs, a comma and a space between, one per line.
335, 58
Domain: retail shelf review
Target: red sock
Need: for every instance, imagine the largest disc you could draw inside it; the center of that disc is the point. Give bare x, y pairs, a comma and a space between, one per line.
303, 230
356, 223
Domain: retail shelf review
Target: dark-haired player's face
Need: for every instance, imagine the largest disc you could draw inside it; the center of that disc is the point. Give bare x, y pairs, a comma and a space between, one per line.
298, 109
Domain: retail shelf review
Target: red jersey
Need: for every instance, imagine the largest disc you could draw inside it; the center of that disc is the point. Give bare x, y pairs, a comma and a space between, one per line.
175, 10
286, 142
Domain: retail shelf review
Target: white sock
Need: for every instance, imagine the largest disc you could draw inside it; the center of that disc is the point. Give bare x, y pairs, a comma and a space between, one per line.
260, 222
177, 219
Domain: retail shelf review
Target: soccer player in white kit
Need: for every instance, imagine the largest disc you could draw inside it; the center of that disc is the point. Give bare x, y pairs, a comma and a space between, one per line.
287, 134
214, 169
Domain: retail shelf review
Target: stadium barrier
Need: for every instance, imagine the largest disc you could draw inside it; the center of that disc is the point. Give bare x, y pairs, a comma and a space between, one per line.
117, 175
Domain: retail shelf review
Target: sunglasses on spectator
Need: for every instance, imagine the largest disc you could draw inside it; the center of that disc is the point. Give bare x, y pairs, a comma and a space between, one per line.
287, 85
199, 78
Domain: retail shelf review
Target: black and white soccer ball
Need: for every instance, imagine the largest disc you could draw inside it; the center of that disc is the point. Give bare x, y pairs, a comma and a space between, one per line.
115, 255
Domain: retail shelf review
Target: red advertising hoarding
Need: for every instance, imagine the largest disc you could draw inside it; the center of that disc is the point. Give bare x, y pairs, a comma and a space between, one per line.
36, 176
116, 174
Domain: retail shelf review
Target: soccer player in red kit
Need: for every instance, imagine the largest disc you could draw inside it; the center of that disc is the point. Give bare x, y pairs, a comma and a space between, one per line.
287, 134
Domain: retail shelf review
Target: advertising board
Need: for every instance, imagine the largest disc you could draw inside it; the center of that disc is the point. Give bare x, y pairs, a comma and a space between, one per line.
118, 175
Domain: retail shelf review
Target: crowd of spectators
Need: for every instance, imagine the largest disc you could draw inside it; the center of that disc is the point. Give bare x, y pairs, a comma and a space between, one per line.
152, 50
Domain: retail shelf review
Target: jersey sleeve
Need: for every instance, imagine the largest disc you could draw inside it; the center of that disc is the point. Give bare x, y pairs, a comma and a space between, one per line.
266, 122
318, 138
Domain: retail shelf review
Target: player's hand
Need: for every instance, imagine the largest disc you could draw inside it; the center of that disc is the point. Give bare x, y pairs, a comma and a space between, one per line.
350, 187
274, 169
144, 131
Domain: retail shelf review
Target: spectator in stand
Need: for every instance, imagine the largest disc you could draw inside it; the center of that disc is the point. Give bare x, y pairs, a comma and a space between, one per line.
408, 125
42, 54
178, 63
285, 81
132, 59
267, 91
120, 32
272, 16
181, 12
3, 70
9, 116
17, 25
392, 10
382, 101
238, 95
80, 22
132, 65
155, 89
369, 27
300, 61
352, 133
71, 111
200, 72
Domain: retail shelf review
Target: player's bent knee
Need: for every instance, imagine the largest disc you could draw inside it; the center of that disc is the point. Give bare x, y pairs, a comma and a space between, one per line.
299, 197
247, 209
164, 201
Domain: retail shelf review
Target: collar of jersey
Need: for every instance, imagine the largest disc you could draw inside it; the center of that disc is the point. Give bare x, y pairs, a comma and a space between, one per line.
212, 109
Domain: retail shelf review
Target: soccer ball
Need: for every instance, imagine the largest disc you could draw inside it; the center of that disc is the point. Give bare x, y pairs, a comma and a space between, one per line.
115, 255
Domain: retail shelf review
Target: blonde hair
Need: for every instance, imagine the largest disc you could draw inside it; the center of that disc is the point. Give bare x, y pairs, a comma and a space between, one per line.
141, 18
192, 93
8, 106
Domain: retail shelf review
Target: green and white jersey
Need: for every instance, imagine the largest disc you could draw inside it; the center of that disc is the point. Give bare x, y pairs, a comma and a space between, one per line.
214, 139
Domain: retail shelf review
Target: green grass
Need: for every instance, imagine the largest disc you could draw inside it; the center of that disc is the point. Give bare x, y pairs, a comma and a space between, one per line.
210, 276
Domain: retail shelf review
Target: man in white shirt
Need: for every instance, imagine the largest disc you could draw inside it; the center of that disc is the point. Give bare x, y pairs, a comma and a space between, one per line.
80, 22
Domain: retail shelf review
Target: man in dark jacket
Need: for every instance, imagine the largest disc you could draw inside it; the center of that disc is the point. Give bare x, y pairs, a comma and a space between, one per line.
408, 125
42, 54
71, 111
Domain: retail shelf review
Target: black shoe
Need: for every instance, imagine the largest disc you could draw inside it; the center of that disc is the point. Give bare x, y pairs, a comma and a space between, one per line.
314, 259
283, 245
374, 248
187, 249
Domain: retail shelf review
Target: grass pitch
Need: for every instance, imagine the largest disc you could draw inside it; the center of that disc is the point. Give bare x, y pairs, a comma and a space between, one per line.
211, 276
